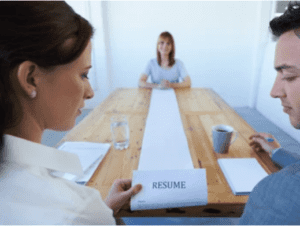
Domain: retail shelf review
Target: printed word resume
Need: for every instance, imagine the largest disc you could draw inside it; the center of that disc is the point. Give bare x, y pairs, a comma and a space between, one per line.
169, 188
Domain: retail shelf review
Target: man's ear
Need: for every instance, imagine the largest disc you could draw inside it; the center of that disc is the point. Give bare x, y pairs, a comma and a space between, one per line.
26, 76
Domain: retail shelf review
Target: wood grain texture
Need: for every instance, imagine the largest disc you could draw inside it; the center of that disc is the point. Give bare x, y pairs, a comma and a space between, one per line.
200, 109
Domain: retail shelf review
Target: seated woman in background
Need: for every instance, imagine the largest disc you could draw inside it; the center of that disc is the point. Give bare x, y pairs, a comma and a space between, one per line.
45, 56
165, 71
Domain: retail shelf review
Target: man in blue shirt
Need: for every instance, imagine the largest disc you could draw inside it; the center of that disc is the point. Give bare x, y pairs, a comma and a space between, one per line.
276, 199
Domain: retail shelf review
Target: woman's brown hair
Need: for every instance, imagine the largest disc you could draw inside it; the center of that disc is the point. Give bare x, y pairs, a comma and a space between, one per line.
37, 32
166, 35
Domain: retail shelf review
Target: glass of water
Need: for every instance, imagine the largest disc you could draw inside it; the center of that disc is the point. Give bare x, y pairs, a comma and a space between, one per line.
120, 131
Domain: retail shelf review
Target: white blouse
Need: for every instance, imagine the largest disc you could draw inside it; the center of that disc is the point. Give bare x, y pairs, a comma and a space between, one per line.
30, 194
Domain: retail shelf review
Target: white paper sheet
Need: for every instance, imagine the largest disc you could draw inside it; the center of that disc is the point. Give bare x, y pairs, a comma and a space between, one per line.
242, 174
164, 145
169, 189
90, 155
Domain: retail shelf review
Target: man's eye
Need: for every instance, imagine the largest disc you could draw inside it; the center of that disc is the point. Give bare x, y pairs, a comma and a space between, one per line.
290, 79
85, 75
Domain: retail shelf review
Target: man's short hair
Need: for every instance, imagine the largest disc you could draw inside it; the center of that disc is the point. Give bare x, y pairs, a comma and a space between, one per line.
290, 20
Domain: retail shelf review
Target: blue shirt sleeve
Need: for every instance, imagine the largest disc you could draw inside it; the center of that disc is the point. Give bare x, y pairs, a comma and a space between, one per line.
182, 70
147, 70
284, 158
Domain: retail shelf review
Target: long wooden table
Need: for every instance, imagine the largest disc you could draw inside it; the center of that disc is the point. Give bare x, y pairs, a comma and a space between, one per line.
200, 109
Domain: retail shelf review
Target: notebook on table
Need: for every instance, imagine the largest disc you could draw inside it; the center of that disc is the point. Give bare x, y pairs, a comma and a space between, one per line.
242, 174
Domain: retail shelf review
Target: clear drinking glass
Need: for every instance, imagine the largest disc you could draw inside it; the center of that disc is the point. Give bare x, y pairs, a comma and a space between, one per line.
120, 131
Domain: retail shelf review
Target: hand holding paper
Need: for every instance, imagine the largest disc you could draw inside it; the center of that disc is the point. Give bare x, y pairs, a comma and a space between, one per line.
120, 194
170, 189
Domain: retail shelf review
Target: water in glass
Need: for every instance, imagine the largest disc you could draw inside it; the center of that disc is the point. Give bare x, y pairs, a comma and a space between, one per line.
120, 135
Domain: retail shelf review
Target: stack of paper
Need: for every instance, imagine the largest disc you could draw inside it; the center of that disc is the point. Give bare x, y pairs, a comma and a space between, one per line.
90, 155
169, 189
242, 174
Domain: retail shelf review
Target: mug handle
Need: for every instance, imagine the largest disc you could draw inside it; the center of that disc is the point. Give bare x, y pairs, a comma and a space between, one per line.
236, 135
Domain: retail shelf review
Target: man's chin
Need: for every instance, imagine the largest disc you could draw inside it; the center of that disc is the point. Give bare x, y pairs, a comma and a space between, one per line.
297, 126
295, 123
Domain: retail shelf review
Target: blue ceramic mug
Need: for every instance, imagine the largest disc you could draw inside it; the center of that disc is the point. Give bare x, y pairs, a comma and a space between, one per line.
222, 135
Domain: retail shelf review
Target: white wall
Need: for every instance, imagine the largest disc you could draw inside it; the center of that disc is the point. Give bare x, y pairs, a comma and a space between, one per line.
99, 75
224, 45
215, 39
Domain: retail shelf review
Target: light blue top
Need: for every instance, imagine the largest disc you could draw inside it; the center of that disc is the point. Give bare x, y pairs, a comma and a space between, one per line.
157, 73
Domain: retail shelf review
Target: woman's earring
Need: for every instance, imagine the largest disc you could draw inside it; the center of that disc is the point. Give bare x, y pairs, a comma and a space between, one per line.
33, 94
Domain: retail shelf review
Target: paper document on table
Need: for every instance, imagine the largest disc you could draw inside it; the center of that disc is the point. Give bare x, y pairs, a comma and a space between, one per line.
242, 174
90, 155
165, 145
169, 189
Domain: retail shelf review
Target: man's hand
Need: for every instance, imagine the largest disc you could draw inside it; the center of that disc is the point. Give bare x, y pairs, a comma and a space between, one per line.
120, 194
259, 142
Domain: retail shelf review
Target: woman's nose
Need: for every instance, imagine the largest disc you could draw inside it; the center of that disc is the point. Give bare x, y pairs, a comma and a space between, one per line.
89, 92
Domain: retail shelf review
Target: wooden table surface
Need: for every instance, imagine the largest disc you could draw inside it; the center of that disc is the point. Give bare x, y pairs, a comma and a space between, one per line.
200, 109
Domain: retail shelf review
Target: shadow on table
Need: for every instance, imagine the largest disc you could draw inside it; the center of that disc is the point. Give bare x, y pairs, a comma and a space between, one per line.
179, 221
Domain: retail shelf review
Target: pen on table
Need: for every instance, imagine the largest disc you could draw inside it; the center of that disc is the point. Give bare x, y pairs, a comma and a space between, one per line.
199, 163
269, 139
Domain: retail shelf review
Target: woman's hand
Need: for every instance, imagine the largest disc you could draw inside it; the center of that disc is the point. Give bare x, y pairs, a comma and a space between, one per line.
165, 84
120, 194
259, 142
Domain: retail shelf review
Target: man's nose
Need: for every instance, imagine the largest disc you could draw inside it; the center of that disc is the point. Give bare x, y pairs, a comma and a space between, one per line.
277, 90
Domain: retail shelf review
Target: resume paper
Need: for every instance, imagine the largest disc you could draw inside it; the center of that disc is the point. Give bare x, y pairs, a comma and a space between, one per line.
169, 189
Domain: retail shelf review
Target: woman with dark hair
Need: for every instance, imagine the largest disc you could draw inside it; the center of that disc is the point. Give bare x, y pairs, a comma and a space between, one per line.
45, 56
165, 71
